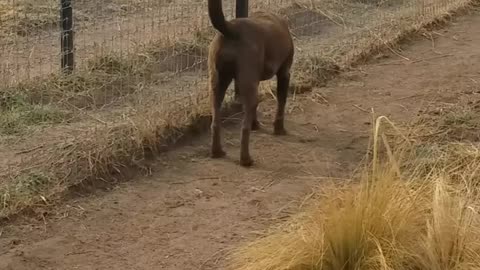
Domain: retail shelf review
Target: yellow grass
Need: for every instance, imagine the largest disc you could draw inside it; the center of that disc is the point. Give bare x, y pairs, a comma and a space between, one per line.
412, 220
24, 16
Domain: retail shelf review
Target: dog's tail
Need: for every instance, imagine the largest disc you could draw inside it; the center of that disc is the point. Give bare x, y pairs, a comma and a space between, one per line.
215, 12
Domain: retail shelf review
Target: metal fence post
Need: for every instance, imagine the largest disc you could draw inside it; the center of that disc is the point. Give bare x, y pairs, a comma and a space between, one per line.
241, 8
66, 40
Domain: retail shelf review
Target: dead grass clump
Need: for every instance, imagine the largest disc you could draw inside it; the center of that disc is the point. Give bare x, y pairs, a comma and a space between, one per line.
114, 64
56, 99
445, 138
102, 152
26, 16
83, 90
459, 123
105, 80
25, 189
392, 219
96, 151
314, 71
355, 46
17, 114
18, 120
305, 21
181, 57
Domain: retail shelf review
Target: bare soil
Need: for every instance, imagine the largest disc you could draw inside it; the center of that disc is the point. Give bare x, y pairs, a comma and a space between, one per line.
190, 210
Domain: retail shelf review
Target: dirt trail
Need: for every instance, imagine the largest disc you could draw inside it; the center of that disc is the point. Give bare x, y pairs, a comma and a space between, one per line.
191, 209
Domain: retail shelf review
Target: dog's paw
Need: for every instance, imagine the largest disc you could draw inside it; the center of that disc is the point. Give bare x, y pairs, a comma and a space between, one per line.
217, 153
278, 128
246, 162
236, 105
279, 132
255, 125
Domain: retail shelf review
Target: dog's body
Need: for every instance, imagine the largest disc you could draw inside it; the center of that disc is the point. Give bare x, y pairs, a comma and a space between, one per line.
247, 50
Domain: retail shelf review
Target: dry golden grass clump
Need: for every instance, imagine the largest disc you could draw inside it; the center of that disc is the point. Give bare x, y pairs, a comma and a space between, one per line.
102, 82
25, 16
392, 219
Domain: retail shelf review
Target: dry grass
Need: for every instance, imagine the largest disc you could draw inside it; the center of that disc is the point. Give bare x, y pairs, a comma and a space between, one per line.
25, 16
104, 82
149, 119
18, 119
398, 216
102, 153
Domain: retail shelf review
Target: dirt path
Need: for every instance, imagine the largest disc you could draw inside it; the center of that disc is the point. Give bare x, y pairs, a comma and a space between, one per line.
191, 209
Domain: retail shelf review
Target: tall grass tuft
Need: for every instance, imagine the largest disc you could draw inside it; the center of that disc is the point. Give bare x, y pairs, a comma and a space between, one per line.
395, 217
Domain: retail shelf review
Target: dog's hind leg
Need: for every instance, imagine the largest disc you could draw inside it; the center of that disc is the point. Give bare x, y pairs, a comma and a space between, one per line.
237, 102
236, 95
255, 123
283, 82
218, 87
249, 97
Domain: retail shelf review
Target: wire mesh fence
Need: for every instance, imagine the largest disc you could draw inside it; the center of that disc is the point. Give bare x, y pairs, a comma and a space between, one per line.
131, 53
30, 30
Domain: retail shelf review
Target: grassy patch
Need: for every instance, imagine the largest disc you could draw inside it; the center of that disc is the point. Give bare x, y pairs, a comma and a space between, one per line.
25, 188
399, 216
104, 151
27, 17
17, 115
19, 119
23, 17
107, 79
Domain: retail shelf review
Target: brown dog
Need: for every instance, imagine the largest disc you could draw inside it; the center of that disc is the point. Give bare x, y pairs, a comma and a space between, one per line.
247, 50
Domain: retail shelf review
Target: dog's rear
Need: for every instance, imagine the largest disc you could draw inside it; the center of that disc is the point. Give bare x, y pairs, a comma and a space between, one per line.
247, 50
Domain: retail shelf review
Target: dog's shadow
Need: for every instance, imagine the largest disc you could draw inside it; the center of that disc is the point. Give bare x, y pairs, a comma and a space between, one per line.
266, 130
292, 136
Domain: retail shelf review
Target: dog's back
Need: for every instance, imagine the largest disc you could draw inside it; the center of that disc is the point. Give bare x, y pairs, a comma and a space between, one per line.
275, 37
264, 34
266, 24
269, 28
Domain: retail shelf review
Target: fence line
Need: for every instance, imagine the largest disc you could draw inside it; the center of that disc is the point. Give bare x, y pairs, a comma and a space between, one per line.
144, 44
29, 38
67, 44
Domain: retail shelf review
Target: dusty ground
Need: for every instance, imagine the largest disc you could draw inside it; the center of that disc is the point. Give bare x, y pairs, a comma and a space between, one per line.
191, 209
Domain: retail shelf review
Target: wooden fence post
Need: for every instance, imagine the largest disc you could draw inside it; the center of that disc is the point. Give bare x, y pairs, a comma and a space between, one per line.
66, 39
241, 8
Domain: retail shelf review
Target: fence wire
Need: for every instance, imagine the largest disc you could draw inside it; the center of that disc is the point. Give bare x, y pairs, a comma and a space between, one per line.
30, 29
131, 53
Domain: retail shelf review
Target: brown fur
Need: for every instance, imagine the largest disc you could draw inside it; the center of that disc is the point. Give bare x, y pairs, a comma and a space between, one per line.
247, 50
